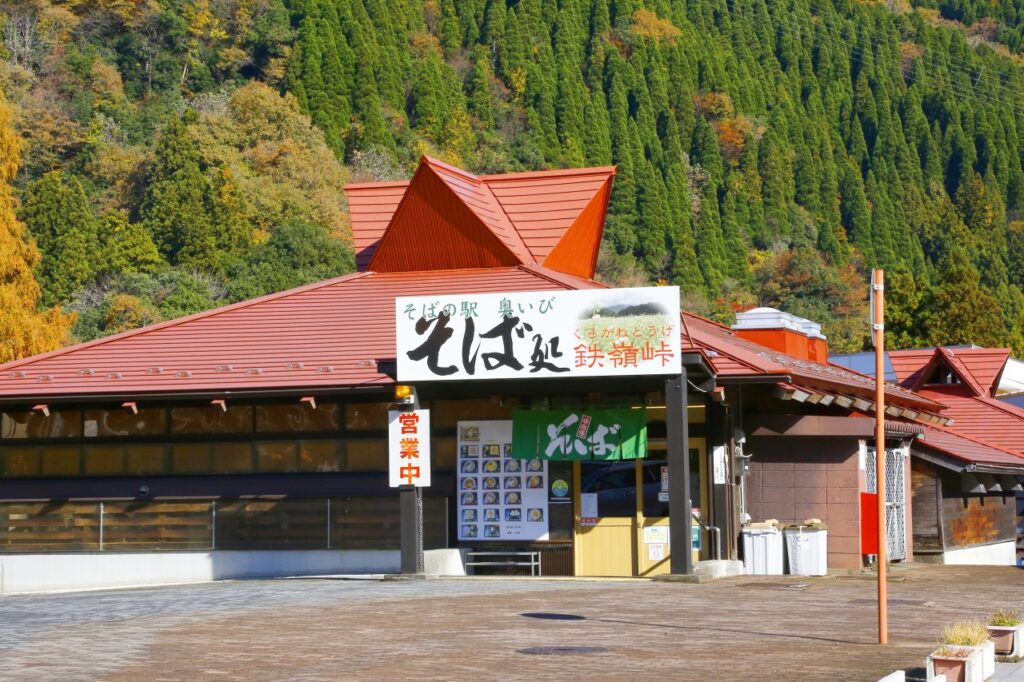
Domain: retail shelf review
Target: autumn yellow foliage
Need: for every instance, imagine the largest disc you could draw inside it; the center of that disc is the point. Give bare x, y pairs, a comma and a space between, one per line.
23, 329
647, 24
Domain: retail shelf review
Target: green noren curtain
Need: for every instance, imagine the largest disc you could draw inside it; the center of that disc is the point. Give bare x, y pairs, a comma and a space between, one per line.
579, 434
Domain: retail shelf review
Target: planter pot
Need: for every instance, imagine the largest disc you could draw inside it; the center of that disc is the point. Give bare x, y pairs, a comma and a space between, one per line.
956, 669
1008, 639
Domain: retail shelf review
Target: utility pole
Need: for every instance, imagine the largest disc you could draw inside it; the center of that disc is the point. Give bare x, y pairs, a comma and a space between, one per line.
878, 331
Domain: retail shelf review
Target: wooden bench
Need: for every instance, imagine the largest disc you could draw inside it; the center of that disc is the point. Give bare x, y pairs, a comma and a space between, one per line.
529, 559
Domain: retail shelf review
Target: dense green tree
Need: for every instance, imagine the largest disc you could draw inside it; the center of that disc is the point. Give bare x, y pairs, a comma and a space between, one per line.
867, 135
295, 254
60, 219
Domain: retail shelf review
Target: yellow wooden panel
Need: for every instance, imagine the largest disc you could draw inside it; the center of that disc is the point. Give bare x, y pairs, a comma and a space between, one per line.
605, 549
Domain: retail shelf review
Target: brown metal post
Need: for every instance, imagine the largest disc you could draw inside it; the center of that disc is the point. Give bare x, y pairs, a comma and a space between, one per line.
878, 329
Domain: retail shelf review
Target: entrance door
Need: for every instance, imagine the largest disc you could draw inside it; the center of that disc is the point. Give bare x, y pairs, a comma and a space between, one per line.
621, 521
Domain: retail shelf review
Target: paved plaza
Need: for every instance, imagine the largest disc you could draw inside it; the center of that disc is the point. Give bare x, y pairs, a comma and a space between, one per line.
764, 628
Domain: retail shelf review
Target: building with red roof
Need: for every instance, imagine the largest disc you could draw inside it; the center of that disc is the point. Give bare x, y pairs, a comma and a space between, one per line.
973, 459
263, 425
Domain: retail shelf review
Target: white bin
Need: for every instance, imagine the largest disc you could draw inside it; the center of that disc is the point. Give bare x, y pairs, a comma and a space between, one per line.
807, 548
762, 549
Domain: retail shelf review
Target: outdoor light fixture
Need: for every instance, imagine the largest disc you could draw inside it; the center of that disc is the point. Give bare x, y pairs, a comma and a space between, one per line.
403, 393
220, 401
42, 407
310, 400
131, 407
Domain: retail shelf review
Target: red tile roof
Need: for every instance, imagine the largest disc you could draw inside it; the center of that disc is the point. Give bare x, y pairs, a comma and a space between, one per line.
328, 334
745, 357
979, 368
907, 363
331, 334
967, 449
530, 214
986, 419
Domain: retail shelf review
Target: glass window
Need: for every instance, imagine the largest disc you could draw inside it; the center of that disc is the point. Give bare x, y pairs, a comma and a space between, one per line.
320, 455
362, 416
104, 459
35, 424
144, 459
61, 461
366, 454
231, 458
192, 458
121, 422
20, 462
212, 419
447, 413
277, 456
296, 417
442, 453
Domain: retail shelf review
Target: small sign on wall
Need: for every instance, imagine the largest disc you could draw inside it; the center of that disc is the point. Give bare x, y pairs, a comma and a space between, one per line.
409, 448
721, 471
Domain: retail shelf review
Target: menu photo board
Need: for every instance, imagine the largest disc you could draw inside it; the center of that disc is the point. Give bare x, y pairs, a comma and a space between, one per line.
500, 497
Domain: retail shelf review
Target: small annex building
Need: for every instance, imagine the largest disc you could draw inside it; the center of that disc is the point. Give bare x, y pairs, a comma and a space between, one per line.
967, 502
253, 439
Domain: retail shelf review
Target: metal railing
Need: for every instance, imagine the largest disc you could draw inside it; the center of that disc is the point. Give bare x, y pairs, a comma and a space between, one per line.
718, 535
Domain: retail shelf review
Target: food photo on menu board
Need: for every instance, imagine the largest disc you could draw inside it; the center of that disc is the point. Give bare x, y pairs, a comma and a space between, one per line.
513, 498
535, 481
535, 515
469, 530
469, 515
491, 515
492, 466
534, 465
469, 484
491, 483
513, 514
492, 450
469, 466
468, 499
490, 498
512, 465
513, 482
492, 531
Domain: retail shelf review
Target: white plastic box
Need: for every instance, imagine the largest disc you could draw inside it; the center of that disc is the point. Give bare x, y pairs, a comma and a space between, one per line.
807, 549
762, 549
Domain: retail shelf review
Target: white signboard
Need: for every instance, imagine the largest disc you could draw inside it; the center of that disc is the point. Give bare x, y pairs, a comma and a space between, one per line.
720, 464
409, 448
593, 332
500, 498
588, 505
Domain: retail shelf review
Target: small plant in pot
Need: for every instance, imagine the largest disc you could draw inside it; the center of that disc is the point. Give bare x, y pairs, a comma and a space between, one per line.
962, 653
1006, 629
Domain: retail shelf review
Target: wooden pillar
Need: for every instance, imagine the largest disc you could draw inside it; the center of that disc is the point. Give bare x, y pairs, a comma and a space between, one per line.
679, 505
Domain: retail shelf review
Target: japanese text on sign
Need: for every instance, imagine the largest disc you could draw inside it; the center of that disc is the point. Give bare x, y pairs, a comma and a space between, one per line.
595, 332
409, 448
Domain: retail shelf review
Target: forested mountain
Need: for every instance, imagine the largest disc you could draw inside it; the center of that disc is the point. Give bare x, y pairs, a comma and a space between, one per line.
180, 154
